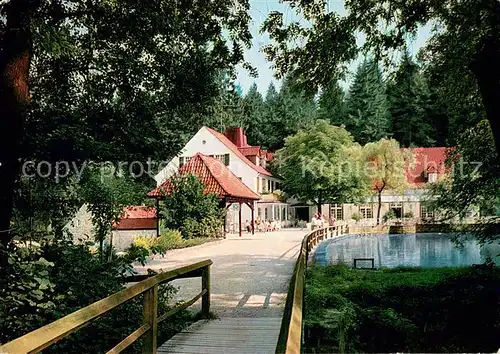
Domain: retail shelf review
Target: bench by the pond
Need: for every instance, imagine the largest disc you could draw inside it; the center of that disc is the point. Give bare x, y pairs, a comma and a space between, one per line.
45, 336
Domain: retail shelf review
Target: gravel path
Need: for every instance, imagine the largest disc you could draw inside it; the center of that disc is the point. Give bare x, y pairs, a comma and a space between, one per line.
249, 275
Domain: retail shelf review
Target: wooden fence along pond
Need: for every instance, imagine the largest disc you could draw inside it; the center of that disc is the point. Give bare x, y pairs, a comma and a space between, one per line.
290, 339
290, 336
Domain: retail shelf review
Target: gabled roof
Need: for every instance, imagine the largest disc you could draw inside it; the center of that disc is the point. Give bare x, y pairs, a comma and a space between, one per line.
216, 177
430, 159
229, 144
250, 150
137, 218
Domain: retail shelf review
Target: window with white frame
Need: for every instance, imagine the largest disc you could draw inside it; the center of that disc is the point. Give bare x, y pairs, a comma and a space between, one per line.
432, 177
184, 160
224, 158
337, 211
263, 186
366, 211
426, 212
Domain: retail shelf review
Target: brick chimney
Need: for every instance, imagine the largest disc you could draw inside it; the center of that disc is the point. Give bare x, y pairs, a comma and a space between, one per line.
237, 136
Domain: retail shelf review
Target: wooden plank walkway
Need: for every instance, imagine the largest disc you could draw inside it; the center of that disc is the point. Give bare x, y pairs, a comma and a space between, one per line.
226, 335
250, 276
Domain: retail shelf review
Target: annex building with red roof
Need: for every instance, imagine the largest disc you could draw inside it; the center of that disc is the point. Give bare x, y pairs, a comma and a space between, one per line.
232, 169
428, 167
135, 220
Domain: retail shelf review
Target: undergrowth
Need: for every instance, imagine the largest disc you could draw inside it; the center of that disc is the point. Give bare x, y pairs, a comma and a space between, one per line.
402, 309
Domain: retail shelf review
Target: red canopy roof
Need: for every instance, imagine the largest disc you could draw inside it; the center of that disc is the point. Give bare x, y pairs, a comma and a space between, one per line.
216, 177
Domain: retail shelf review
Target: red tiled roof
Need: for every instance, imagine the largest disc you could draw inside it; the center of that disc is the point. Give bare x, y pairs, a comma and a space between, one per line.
216, 177
139, 212
250, 150
269, 156
223, 139
137, 218
430, 159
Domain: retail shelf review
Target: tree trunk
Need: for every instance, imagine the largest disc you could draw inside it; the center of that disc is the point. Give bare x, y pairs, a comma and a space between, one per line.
379, 208
320, 200
14, 99
486, 70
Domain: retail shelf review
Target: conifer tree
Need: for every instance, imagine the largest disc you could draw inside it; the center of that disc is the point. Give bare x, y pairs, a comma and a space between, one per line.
286, 113
253, 105
409, 105
367, 112
331, 104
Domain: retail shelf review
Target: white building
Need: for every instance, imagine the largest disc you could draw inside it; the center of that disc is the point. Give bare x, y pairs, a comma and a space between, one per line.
247, 162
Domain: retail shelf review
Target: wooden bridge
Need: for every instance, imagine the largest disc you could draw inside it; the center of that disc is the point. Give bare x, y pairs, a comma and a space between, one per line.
227, 335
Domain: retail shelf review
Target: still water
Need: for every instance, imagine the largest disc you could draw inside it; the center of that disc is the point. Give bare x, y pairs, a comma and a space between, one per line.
416, 250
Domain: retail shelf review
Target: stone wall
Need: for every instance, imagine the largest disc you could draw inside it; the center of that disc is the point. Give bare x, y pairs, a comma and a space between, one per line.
124, 238
402, 229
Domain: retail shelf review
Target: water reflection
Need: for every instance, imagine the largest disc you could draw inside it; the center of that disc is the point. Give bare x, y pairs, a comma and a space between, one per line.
422, 250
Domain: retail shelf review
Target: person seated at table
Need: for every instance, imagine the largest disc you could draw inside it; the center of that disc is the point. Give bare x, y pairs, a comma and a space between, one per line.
247, 226
273, 225
268, 225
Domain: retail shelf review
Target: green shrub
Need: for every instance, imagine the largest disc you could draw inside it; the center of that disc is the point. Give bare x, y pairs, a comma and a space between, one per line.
40, 285
409, 214
402, 310
385, 328
190, 228
389, 215
302, 224
191, 211
169, 239
146, 242
356, 216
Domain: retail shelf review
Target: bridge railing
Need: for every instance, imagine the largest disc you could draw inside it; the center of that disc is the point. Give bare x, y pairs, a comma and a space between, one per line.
290, 337
45, 336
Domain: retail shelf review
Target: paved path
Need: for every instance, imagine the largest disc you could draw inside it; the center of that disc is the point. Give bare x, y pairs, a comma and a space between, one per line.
249, 281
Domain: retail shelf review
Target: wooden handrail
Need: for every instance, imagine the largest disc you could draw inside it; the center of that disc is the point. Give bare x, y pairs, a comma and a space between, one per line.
47, 335
290, 337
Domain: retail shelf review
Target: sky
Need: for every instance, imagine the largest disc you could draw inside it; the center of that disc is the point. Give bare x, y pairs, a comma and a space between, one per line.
259, 10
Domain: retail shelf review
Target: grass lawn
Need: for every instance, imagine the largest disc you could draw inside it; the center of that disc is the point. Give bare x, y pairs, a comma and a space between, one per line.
402, 309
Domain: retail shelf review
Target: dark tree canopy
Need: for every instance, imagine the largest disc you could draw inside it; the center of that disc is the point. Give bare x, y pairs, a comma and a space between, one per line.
410, 106
367, 115
108, 80
471, 28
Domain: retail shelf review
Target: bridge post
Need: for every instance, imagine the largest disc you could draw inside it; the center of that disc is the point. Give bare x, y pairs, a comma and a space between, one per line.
150, 317
205, 285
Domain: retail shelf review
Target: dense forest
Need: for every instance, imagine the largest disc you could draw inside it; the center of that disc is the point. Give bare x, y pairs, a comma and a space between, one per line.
407, 103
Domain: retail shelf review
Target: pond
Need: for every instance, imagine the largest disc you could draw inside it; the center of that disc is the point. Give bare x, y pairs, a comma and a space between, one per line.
430, 250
